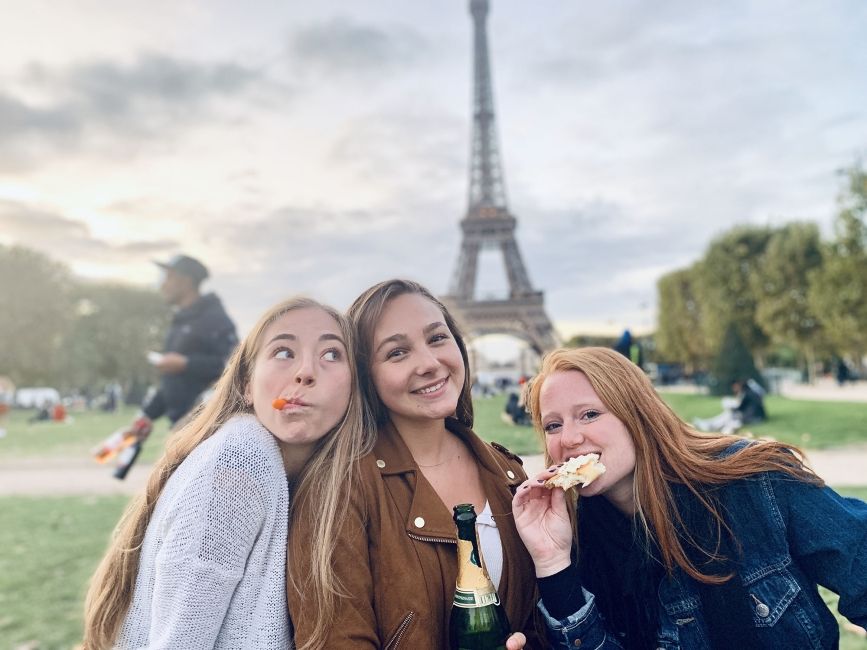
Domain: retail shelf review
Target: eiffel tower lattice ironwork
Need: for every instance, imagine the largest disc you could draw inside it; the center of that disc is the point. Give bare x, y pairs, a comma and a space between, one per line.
488, 223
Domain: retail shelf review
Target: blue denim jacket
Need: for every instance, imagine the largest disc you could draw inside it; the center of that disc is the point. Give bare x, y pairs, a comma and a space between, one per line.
794, 536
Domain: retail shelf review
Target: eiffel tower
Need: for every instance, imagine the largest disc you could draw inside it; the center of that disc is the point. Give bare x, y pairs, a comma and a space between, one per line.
488, 224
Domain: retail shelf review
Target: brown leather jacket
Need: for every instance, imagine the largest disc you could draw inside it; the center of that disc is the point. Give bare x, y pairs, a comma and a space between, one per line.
397, 554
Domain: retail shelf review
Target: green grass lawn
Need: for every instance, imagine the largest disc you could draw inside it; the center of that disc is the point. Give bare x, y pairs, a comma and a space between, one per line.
799, 422
808, 424
50, 546
490, 426
72, 439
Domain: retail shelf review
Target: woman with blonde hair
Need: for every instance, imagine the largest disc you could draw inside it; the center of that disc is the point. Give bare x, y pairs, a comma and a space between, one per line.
199, 559
688, 539
398, 553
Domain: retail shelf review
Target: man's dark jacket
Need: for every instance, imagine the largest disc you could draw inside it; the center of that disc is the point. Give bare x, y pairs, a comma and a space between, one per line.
205, 334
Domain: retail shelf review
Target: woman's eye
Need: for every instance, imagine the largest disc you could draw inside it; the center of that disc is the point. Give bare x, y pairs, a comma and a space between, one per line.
283, 353
552, 427
331, 355
441, 336
396, 353
590, 415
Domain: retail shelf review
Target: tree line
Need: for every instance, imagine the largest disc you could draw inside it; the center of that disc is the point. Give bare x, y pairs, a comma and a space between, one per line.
783, 291
73, 334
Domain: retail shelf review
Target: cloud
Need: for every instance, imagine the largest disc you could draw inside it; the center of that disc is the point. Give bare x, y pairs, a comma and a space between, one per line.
342, 46
330, 254
111, 108
413, 152
593, 262
69, 240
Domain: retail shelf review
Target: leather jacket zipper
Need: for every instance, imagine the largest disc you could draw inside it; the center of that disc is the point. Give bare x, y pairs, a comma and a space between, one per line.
395, 640
423, 538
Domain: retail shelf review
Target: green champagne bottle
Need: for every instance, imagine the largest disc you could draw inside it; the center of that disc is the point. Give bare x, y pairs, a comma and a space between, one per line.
478, 620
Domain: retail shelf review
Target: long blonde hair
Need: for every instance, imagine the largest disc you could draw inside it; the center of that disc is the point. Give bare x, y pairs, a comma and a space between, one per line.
326, 479
667, 450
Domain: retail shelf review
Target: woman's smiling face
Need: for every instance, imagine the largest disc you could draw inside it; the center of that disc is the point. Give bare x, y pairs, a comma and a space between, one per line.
416, 364
576, 422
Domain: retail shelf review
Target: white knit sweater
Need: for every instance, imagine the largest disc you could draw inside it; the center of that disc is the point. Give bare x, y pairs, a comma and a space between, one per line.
212, 572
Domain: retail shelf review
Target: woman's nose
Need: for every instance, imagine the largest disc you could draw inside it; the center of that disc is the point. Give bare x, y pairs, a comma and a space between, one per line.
572, 436
427, 362
305, 374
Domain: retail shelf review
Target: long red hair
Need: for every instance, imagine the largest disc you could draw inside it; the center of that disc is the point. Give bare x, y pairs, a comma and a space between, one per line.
667, 450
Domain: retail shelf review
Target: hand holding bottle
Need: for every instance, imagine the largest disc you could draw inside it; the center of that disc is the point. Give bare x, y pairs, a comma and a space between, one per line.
141, 427
542, 519
121, 439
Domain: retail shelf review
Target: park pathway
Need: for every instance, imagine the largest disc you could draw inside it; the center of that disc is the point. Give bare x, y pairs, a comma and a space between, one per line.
842, 466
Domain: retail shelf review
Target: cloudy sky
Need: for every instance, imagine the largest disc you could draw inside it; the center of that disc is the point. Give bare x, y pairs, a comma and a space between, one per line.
320, 147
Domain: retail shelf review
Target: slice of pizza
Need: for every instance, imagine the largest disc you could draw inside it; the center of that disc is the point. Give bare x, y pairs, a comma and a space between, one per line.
581, 469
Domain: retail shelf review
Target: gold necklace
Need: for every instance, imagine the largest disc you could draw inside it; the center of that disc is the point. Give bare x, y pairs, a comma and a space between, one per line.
442, 462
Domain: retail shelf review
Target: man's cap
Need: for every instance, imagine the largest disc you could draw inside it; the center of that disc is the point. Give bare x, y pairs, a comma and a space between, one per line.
185, 265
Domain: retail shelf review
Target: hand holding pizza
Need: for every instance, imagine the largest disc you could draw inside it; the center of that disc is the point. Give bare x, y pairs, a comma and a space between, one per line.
542, 519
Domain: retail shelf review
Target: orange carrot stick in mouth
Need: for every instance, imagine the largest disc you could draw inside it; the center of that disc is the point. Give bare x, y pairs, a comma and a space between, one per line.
279, 403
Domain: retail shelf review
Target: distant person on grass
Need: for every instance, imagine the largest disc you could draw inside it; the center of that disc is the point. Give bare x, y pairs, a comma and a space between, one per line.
199, 559
630, 348
514, 411
200, 339
746, 407
7, 393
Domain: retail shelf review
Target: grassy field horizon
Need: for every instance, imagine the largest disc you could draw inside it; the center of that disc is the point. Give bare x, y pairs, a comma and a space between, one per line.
52, 544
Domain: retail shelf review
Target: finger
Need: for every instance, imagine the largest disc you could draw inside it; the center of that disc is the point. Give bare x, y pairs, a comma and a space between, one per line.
559, 503
528, 491
516, 642
547, 473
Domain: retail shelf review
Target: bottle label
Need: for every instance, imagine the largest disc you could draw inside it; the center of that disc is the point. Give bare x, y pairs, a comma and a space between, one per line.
474, 599
474, 587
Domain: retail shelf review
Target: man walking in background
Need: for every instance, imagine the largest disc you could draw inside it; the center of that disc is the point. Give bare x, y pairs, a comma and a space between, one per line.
199, 341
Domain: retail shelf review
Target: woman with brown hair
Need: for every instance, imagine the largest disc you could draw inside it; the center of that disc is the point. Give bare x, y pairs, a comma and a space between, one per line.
396, 555
688, 539
199, 559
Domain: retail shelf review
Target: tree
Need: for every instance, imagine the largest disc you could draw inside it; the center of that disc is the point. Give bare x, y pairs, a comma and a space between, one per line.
35, 315
679, 335
591, 340
838, 289
724, 287
733, 363
781, 284
115, 326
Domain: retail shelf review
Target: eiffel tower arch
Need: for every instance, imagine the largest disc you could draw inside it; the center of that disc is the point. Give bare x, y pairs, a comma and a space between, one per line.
489, 224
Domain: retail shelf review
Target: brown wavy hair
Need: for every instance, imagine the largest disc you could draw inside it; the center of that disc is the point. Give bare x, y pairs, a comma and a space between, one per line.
365, 313
323, 486
667, 450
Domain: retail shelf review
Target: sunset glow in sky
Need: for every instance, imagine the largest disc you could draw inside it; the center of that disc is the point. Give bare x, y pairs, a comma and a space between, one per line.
321, 147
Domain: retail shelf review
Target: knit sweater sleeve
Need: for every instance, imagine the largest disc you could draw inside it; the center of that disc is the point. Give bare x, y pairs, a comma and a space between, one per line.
205, 550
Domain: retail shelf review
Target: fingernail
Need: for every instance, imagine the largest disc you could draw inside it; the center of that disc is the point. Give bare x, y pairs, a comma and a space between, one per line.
561, 464
526, 487
538, 480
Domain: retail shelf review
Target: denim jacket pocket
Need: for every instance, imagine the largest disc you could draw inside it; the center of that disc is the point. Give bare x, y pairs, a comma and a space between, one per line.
770, 595
782, 618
